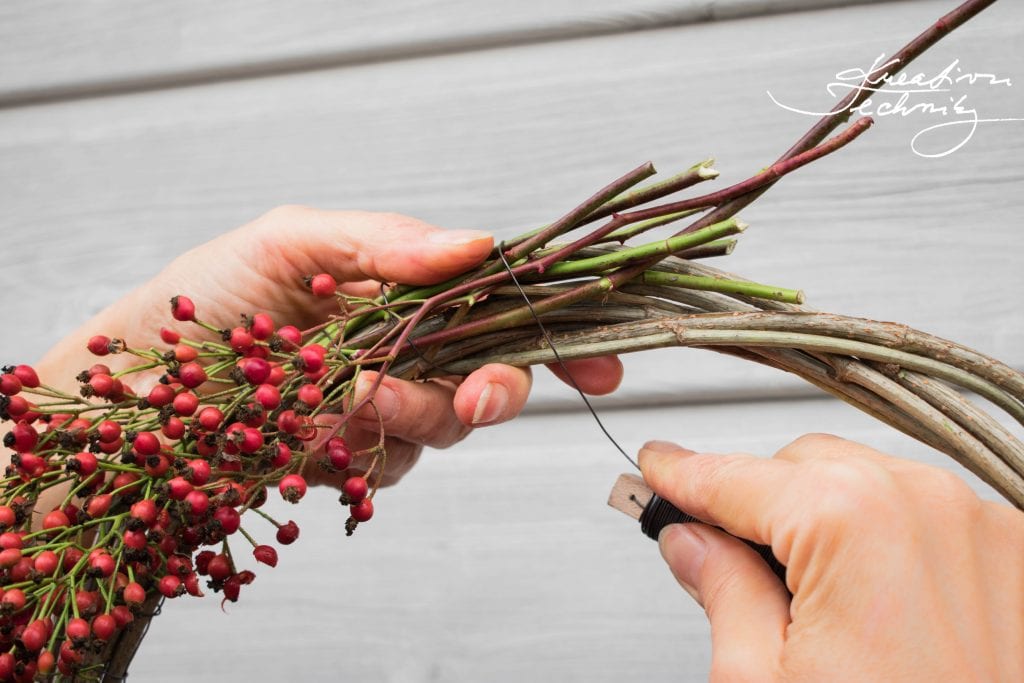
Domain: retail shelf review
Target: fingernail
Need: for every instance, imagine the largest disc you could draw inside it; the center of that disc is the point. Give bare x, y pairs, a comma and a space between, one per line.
457, 237
492, 403
385, 400
685, 552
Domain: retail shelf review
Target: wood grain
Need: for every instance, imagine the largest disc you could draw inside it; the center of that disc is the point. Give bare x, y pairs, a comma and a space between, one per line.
58, 49
99, 194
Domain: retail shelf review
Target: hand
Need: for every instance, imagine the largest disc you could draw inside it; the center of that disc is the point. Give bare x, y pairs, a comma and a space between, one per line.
898, 570
260, 266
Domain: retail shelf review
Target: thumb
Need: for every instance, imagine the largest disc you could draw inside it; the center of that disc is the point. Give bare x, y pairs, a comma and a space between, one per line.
748, 607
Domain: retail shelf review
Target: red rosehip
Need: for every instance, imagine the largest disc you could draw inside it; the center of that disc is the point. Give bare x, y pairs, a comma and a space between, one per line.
178, 488
71, 558
183, 309
136, 540
186, 403
310, 359
262, 326
323, 285
9, 384
27, 375
210, 418
55, 519
13, 600
179, 565
192, 375
157, 465
169, 336
103, 626
311, 395
290, 336
34, 636
98, 345
191, 582
17, 407
268, 396
77, 629
229, 519
355, 488
9, 557
101, 385
183, 353
84, 464
99, 505
255, 370
288, 422
277, 375
282, 456
7, 517
170, 586
219, 567
12, 539
108, 431
46, 562
146, 444
292, 488
122, 615
203, 561
265, 554
198, 502
145, 511
134, 594
338, 454
173, 429
241, 341
252, 440
160, 395
123, 482
362, 511
198, 471
7, 666
288, 533
102, 564
25, 437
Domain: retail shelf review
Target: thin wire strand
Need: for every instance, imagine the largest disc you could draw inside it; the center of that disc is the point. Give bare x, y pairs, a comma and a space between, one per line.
558, 357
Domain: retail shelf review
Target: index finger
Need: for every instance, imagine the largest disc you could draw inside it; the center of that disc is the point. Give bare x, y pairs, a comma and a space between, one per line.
739, 493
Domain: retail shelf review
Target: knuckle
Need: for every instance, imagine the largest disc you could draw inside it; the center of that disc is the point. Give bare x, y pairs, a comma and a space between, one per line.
849, 493
284, 213
811, 444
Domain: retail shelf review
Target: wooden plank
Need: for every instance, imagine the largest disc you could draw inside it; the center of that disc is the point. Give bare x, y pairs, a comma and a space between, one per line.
56, 49
497, 560
98, 194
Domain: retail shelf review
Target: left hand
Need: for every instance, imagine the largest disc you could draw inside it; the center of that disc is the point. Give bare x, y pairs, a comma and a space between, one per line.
260, 266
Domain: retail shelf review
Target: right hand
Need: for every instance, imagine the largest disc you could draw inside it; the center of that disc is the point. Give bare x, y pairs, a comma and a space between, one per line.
898, 570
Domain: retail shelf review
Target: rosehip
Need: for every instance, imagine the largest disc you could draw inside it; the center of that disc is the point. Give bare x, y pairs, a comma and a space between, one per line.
136, 540
160, 395
77, 629
9, 557
277, 375
186, 403
282, 456
178, 488
240, 340
262, 326
55, 519
192, 375
27, 375
146, 444
34, 636
157, 465
183, 309
198, 471
173, 429
169, 336
219, 567
102, 564
210, 418
265, 554
183, 353
7, 517
290, 336
362, 511
98, 505
338, 453
311, 395
323, 285
13, 600
179, 565
46, 562
292, 488
198, 502
98, 345
145, 511
25, 437
310, 359
108, 431
84, 464
191, 582
9, 384
103, 626
170, 586
288, 422
134, 594
355, 489
229, 519
122, 615
255, 370
287, 533
12, 539
268, 396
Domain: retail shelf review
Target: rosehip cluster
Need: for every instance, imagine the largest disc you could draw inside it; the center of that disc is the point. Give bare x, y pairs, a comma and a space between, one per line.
151, 487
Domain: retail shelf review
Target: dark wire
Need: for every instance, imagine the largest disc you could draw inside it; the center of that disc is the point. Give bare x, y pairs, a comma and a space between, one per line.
558, 357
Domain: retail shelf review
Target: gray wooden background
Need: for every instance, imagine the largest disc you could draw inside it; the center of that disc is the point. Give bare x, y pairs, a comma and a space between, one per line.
132, 131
